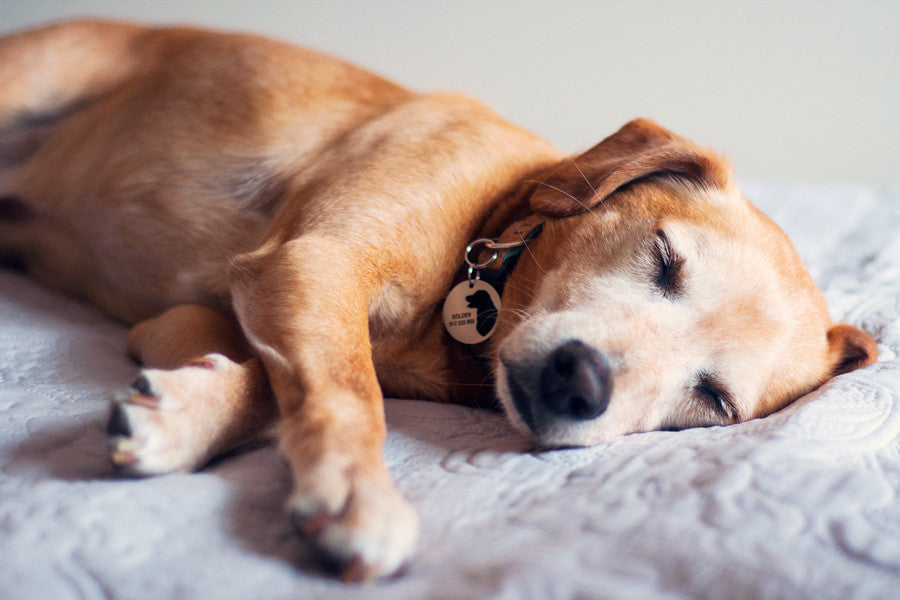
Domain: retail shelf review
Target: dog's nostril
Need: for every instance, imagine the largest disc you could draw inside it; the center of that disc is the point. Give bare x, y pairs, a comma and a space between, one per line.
580, 408
564, 362
576, 381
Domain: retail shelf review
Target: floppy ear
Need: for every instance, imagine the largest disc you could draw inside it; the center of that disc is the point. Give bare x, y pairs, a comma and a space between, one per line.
639, 149
850, 348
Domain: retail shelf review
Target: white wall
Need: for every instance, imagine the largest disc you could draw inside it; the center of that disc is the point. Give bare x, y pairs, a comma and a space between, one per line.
803, 90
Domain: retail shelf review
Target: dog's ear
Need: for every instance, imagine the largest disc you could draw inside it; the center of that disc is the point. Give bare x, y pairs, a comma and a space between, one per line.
850, 348
639, 149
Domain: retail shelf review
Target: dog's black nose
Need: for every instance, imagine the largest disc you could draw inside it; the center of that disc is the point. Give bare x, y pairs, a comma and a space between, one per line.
576, 381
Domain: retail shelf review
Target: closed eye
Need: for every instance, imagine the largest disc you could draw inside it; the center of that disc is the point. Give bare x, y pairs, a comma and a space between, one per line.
669, 277
710, 391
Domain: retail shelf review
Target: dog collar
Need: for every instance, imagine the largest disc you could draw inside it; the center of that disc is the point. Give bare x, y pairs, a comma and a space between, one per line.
472, 306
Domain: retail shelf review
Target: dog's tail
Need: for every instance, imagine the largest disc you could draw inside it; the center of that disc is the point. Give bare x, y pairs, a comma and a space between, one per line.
47, 73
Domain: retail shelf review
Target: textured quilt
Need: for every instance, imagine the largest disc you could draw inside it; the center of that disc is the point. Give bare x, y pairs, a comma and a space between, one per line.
801, 504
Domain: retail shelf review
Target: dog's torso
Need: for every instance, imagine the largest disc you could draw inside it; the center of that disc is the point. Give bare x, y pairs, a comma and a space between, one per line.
183, 150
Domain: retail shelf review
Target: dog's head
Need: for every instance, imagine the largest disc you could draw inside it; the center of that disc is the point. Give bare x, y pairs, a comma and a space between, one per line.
658, 297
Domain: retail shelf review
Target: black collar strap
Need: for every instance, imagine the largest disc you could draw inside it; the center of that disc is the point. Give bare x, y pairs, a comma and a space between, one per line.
472, 307
499, 257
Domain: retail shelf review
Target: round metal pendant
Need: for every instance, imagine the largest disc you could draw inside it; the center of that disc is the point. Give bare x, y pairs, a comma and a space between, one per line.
471, 310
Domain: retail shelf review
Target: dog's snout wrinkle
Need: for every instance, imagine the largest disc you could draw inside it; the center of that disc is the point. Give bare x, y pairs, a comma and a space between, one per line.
576, 381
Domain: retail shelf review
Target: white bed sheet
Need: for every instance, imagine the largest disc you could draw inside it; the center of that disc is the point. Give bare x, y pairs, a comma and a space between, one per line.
802, 504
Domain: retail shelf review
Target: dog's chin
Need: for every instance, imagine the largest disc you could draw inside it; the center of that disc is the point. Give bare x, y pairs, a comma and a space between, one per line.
555, 437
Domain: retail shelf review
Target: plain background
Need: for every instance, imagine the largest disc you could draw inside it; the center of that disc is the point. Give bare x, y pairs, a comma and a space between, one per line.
789, 90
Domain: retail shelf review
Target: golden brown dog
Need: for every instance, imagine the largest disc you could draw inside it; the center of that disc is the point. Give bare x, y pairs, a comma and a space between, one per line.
284, 228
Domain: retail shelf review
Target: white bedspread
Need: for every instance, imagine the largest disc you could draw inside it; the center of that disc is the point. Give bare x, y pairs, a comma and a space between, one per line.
803, 504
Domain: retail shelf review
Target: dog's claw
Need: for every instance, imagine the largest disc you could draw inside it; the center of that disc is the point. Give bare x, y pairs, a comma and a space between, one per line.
310, 526
212, 361
202, 363
123, 458
143, 394
356, 570
118, 425
142, 386
146, 401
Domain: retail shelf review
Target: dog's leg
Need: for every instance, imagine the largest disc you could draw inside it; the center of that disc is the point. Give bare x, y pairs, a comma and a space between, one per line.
201, 393
304, 307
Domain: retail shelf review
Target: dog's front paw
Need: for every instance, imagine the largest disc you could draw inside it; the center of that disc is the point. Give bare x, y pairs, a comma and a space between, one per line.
355, 517
155, 426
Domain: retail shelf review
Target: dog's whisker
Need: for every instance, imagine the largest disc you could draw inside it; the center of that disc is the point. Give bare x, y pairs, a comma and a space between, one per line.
561, 191
583, 176
533, 257
527, 285
524, 314
522, 279
526, 291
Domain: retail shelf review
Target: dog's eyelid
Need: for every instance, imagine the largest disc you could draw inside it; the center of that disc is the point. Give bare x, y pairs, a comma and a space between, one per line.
711, 388
669, 275
662, 241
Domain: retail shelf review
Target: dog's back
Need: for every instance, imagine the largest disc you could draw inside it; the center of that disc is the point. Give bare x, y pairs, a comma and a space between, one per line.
188, 141
183, 140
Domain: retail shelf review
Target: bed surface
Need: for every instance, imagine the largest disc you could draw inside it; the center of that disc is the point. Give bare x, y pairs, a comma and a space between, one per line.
802, 504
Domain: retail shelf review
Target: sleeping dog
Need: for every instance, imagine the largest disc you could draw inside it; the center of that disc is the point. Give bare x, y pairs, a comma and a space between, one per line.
294, 238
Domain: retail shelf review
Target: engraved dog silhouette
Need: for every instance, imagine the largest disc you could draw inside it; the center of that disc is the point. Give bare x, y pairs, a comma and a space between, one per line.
486, 311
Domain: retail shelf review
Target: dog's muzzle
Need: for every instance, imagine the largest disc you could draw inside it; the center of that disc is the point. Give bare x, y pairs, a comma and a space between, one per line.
572, 384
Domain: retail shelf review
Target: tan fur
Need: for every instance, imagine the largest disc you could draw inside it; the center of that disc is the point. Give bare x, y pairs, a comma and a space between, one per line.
280, 224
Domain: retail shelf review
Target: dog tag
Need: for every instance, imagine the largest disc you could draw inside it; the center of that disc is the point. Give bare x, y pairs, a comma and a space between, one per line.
471, 310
